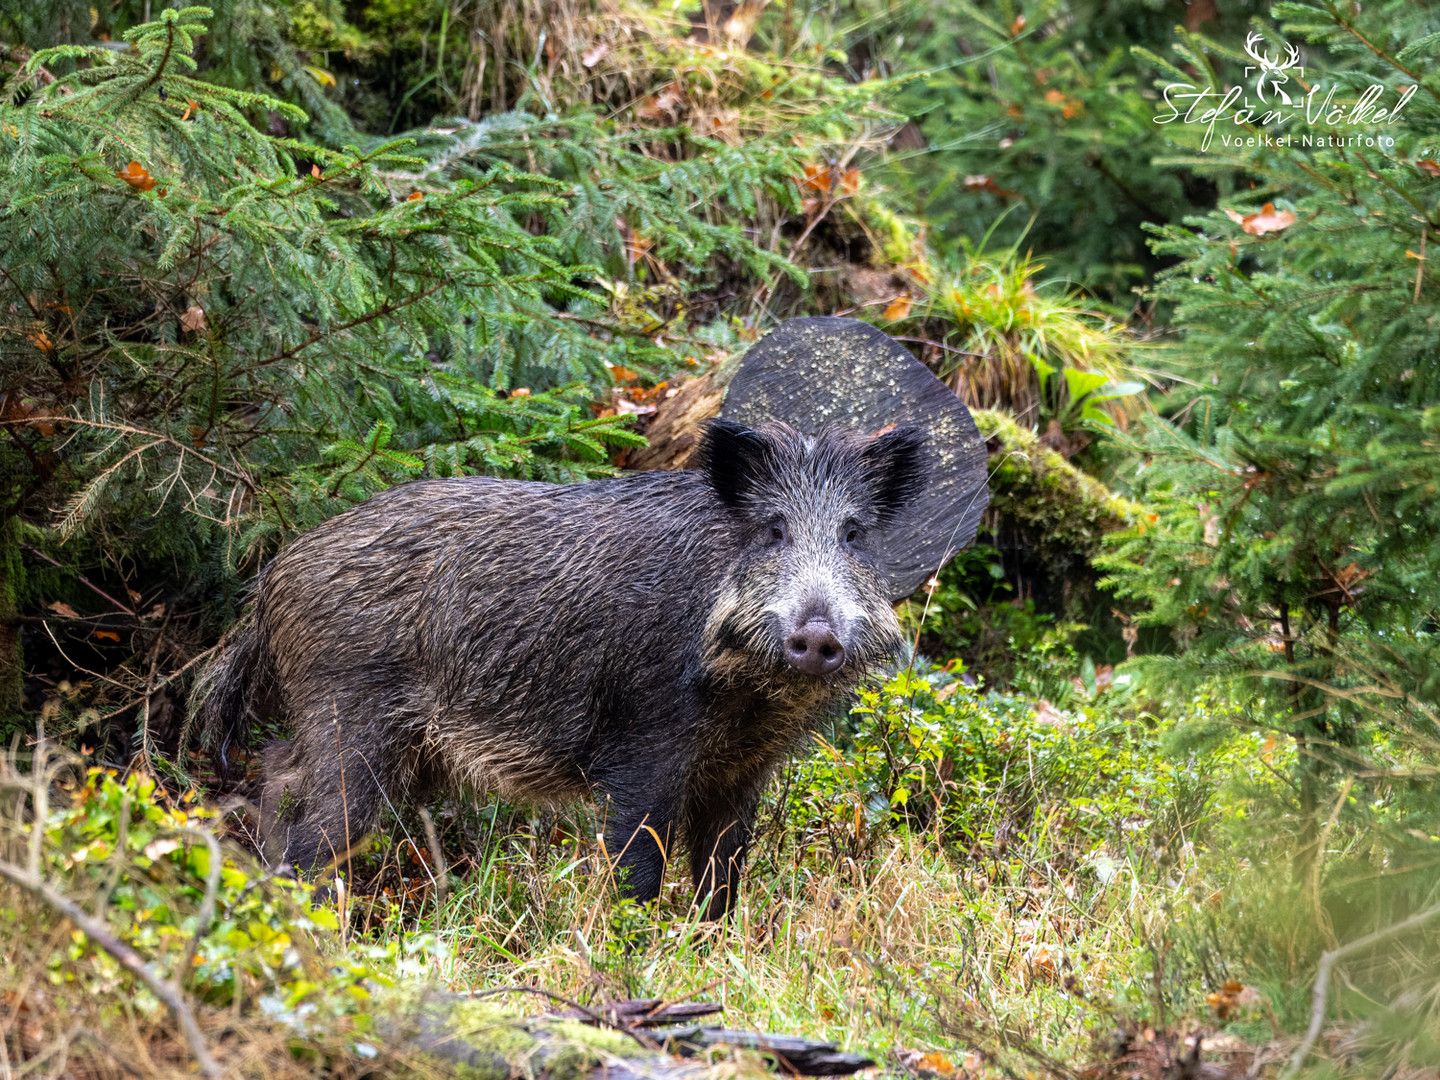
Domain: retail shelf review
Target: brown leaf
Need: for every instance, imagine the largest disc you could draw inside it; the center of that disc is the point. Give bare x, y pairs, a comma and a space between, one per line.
591, 57
137, 176
666, 102
415, 196
1267, 220
1045, 713
190, 107
315, 171
1017, 25
1428, 165
193, 319
108, 635
64, 610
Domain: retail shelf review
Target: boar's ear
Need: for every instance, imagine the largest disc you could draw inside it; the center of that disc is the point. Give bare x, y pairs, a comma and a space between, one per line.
895, 466
733, 458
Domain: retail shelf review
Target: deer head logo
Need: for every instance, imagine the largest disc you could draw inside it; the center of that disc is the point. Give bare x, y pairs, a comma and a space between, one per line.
1271, 70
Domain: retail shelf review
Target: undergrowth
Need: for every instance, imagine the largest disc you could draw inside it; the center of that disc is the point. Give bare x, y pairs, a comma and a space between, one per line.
951, 877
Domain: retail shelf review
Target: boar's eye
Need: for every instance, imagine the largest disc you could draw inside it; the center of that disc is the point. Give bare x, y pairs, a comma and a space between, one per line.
852, 533
778, 533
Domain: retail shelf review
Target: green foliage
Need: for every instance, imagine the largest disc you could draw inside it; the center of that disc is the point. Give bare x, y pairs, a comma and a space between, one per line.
1292, 477
1001, 334
987, 772
225, 927
1038, 113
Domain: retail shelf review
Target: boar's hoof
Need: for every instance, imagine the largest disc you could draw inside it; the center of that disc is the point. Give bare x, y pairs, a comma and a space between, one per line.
814, 649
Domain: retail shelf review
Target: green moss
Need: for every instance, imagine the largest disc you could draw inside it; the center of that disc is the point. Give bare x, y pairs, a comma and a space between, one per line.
1062, 512
481, 1041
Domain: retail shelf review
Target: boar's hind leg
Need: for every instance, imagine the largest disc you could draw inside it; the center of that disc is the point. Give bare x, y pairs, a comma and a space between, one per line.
717, 830
325, 804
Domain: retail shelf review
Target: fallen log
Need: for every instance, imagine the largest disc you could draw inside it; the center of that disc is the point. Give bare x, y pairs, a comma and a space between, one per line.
617, 1041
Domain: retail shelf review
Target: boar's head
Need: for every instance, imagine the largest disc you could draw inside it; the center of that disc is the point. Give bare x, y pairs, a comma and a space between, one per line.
805, 596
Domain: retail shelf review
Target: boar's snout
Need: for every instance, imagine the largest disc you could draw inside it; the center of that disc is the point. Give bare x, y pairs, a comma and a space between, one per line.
814, 648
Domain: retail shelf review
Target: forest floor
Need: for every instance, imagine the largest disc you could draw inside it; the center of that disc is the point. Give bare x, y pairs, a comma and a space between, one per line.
1037, 901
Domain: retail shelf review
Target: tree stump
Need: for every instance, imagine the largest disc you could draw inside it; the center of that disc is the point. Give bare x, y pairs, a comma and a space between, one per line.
816, 372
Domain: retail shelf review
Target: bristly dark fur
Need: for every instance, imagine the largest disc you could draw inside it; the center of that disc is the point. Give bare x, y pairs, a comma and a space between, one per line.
623, 637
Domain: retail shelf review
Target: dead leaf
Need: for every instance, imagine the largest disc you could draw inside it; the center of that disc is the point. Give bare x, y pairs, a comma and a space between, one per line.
193, 319
520, 391
108, 635
64, 610
666, 102
981, 182
415, 196
899, 307
190, 107
157, 848
137, 176
825, 179
591, 57
1045, 713
1428, 165
1017, 25
1267, 220
315, 171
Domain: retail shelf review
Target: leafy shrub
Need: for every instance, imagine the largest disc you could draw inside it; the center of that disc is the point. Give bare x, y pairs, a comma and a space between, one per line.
993, 774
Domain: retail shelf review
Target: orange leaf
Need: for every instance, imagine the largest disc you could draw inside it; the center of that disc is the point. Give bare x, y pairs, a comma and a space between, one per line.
1054, 96
1267, 220
936, 1063
190, 107
109, 635
1428, 165
899, 307
520, 391
415, 196
816, 178
1017, 25
315, 171
137, 176
850, 181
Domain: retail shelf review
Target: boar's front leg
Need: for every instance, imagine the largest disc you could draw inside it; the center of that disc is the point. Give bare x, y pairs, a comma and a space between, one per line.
638, 831
718, 819
642, 779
